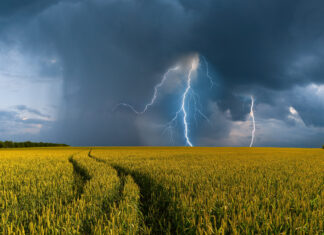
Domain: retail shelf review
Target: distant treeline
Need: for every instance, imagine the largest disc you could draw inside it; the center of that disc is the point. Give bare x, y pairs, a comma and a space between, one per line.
27, 144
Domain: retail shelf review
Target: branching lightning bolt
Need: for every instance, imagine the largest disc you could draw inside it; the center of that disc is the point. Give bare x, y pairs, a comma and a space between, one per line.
182, 109
189, 96
253, 121
154, 97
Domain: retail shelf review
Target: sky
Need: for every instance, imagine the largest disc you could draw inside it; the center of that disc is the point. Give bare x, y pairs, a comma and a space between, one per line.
65, 65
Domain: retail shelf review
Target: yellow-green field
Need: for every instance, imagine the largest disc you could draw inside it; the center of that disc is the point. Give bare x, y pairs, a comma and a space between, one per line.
162, 191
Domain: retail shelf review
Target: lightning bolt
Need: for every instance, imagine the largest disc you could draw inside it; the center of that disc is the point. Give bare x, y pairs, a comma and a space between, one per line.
154, 97
211, 80
184, 98
183, 110
189, 96
253, 121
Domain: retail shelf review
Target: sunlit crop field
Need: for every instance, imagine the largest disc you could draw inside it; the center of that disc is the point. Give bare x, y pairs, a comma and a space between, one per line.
162, 191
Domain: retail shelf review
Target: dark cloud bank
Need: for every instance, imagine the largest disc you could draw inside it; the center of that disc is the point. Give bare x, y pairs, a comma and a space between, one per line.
113, 51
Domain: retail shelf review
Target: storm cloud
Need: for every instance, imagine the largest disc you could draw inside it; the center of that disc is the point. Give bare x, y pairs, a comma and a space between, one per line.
109, 51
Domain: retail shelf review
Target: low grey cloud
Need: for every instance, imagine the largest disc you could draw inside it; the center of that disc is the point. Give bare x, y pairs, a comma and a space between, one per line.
15, 125
22, 108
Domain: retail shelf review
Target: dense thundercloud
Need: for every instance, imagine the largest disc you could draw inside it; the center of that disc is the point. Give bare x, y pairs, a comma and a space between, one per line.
69, 62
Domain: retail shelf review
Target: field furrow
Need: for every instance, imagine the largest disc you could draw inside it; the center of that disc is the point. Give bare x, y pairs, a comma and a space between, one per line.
126, 211
95, 158
159, 211
159, 216
80, 176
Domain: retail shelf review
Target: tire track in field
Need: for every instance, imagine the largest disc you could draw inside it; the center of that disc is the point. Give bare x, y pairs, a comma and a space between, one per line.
95, 158
80, 176
120, 191
160, 212
122, 178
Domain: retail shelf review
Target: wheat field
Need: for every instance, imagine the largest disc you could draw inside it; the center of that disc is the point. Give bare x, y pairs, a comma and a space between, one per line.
162, 190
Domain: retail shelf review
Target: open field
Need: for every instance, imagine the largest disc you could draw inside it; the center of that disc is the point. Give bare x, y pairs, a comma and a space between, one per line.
162, 191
